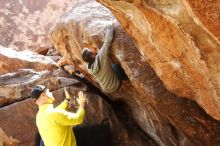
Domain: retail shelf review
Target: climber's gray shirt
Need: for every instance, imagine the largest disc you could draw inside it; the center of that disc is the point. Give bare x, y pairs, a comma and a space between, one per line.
101, 69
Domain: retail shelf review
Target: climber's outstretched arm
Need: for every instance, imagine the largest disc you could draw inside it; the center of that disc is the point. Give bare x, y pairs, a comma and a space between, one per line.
104, 51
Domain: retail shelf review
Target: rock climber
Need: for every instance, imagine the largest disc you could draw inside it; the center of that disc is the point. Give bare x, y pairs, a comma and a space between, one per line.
109, 76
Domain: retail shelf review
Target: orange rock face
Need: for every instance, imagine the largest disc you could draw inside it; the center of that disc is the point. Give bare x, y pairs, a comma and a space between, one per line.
207, 14
179, 44
25, 24
162, 61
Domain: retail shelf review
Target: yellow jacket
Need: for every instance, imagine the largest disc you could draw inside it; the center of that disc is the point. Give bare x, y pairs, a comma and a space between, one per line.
55, 124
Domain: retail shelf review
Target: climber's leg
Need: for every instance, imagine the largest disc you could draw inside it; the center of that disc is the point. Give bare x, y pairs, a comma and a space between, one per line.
119, 72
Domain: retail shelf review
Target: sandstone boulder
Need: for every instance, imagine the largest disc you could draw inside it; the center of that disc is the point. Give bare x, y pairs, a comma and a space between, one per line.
18, 85
18, 123
170, 119
12, 60
170, 35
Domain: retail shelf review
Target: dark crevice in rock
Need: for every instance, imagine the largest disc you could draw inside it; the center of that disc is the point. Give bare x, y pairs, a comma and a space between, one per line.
121, 110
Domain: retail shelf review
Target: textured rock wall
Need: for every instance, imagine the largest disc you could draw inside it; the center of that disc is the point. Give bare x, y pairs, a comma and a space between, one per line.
182, 49
25, 24
16, 86
205, 14
168, 118
12, 60
18, 122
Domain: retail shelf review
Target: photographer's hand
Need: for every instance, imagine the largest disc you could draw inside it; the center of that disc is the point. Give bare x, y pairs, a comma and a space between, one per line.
81, 99
67, 94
